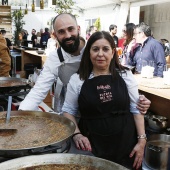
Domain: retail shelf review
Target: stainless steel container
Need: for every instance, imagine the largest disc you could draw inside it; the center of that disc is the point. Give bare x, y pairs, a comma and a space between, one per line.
157, 153
156, 122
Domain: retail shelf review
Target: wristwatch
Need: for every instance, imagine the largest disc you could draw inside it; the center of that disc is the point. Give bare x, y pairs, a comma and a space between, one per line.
142, 137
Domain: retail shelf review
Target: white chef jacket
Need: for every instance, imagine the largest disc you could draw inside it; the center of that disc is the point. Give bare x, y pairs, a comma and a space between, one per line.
46, 79
74, 87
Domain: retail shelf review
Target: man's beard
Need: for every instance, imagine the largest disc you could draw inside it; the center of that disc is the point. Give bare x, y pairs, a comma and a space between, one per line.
70, 48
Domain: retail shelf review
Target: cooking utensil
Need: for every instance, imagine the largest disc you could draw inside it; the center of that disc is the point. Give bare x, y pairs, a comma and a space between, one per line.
62, 159
156, 122
37, 135
157, 152
31, 48
40, 51
6, 131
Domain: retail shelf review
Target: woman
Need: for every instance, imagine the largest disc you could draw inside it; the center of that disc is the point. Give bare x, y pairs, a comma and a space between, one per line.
38, 39
52, 42
105, 93
129, 44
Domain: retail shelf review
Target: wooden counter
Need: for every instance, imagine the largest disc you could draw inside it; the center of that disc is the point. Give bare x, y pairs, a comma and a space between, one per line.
160, 98
29, 56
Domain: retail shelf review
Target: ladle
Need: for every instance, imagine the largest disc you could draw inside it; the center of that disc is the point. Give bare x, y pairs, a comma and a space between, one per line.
6, 131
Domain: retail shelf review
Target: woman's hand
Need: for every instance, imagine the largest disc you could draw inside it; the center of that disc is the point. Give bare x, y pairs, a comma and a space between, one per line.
138, 151
82, 142
143, 104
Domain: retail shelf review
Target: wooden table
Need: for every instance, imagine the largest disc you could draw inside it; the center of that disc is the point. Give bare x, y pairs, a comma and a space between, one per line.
30, 56
160, 98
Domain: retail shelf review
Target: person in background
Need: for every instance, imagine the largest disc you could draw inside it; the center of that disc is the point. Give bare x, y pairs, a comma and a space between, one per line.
8, 42
38, 39
113, 31
24, 38
129, 43
67, 33
5, 59
92, 30
149, 50
41, 31
106, 95
52, 42
34, 38
166, 46
44, 38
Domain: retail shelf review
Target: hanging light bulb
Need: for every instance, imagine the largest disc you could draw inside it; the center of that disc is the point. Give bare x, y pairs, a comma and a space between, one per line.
20, 10
41, 4
53, 2
33, 6
26, 10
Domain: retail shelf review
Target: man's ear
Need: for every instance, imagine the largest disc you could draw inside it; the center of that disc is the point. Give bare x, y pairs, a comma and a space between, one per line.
54, 34
79, 29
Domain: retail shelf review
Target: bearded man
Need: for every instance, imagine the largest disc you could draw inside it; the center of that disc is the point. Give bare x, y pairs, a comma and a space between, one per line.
62, 63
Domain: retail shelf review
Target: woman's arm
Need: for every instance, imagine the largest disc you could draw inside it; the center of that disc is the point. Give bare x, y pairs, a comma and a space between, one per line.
138, 103
138, 150
70, 110
72, 118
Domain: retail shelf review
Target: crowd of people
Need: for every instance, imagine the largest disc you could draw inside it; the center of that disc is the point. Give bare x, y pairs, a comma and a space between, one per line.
42, 39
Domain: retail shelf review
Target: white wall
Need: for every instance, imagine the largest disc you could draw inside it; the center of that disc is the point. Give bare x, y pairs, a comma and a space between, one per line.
108, 15
37, 20
158, 17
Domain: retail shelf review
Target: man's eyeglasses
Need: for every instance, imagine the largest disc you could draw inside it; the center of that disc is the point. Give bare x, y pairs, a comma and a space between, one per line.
135, 33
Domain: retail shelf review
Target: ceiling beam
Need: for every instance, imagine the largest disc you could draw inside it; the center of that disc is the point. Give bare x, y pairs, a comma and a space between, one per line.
146, 2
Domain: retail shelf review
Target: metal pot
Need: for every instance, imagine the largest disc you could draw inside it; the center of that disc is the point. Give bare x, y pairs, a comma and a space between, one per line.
41, 146
156, 122
157, 153
83, 160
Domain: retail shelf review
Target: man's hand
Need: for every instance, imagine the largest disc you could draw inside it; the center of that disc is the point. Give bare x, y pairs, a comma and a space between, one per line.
143, 104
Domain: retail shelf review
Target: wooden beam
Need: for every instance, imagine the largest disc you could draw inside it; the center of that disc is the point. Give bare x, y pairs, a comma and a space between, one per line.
147, 2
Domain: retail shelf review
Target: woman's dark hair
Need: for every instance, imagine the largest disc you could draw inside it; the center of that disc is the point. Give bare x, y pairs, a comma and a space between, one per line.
86, 65
129, 33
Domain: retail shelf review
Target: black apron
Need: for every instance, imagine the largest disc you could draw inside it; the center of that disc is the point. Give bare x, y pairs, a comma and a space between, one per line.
106, 119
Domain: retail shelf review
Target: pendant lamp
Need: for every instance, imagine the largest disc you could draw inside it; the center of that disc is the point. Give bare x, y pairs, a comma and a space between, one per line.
33, 6
53, 2
26, 10
41, 4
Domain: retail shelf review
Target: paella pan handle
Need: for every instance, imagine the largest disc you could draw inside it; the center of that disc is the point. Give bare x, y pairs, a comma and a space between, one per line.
45, 149
9, 109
